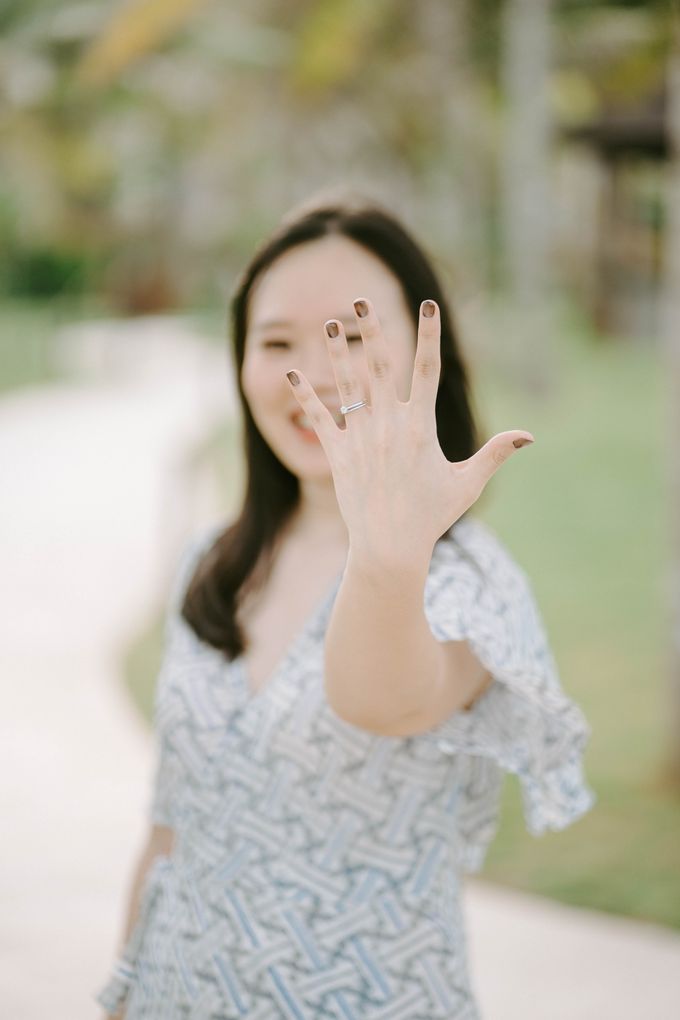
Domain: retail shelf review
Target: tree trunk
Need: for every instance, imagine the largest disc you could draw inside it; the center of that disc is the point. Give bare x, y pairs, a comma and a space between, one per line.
525, 182
456, 179
672, 357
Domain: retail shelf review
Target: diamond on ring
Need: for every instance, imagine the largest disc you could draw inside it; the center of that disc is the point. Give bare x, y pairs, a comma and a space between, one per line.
346, 408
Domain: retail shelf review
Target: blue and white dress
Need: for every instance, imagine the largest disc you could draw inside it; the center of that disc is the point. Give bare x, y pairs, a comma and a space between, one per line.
316, 868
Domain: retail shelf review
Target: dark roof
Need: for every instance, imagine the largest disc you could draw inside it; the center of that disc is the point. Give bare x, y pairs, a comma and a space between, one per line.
623, 131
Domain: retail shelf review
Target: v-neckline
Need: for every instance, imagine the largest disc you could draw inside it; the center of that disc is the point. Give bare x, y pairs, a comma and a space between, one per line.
240, 660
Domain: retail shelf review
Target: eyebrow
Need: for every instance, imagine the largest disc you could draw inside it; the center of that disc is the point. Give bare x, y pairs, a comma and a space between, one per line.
283, 323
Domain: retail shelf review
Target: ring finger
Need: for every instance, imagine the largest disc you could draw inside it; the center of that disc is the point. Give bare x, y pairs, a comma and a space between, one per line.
345, 377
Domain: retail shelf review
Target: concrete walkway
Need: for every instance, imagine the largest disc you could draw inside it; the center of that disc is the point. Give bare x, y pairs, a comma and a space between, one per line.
96, 501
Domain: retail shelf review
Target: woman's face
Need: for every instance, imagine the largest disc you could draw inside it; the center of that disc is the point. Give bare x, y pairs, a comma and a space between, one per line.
288, 306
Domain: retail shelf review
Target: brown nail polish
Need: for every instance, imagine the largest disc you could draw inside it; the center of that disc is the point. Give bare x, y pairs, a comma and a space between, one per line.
428, 309
361, 308
293, 377
518, 443
332, 329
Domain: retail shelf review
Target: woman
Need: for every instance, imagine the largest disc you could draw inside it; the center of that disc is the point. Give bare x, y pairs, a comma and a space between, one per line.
350, 666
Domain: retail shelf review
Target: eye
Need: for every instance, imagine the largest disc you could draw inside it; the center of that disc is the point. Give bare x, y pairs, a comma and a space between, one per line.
274, 343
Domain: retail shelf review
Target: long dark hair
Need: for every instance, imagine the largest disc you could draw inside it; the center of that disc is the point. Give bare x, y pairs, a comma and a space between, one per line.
272, 491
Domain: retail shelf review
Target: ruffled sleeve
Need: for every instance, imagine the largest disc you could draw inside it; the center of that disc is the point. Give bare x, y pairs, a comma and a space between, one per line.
523, 723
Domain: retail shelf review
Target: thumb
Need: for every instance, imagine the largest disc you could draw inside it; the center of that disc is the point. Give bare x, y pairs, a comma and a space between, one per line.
489, 458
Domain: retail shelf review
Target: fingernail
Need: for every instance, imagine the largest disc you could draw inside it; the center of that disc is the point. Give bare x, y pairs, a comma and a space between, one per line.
518, 443
361, 308
332, 329
293, 378
428, 309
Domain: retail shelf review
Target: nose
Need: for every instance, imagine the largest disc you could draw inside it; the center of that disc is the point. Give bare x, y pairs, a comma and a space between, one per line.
314, 360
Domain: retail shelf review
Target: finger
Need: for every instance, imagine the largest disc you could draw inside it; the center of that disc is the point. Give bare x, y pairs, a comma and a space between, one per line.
345, 377
380, 377
427, 364
483, 464
321, 418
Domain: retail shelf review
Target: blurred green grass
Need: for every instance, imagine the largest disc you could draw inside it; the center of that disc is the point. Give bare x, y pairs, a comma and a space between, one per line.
27, 337
583, 512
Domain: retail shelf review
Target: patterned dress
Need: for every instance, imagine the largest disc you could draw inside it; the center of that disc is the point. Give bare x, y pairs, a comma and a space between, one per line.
316, 868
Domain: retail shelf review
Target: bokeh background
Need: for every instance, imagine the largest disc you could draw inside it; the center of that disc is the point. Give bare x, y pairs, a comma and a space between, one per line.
534, 148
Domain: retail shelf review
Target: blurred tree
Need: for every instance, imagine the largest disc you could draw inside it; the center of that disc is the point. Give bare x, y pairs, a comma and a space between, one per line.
377, 96
525, 176
195, 125
526, 60
332, 41
133, 30
672, 338
53, 181
458, 176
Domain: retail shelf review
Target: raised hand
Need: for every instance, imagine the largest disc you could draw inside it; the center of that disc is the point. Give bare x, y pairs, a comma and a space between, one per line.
396, 490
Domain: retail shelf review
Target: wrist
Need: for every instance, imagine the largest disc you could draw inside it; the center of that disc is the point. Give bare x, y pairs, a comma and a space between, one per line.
398, 567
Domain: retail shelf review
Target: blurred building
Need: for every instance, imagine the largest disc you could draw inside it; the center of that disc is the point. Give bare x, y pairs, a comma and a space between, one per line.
611, 243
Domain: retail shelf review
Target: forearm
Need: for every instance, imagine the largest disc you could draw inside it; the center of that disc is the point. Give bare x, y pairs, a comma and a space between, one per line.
382, 661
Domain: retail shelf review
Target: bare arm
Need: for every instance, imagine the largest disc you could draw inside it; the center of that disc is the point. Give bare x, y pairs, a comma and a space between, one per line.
159, 842
385, 670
